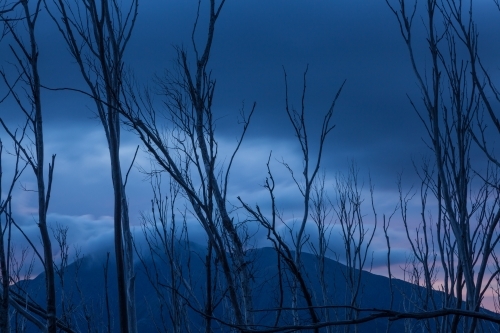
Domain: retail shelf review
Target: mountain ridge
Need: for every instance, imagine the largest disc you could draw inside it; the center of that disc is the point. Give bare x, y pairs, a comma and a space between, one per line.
84, 292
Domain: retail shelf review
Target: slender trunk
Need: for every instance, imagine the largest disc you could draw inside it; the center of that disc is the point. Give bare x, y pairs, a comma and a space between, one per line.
208, 284
42, 199
129, 264
4, 269
4, 306
118, 238
112, 74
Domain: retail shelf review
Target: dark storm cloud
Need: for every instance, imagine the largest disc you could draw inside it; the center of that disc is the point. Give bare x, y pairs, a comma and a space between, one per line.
353, 40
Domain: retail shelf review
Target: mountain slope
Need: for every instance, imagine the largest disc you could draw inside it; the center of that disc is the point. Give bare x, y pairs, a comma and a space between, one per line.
85, 293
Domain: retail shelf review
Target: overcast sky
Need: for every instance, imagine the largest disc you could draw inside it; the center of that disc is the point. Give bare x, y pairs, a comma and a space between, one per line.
353, 40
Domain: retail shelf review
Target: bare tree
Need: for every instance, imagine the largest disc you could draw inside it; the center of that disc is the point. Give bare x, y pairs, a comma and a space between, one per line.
97, 33
5, 237
468, 212
188, 153
166, 258
356, 237
26, 55
292, 256
321, 216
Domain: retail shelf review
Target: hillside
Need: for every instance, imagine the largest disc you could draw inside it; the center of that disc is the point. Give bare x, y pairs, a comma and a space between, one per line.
85, 293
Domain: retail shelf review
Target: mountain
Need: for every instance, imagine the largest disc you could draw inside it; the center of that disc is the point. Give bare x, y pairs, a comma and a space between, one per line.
83, 292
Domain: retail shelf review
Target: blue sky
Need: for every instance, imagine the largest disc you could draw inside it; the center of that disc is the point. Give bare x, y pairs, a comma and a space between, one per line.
353, 40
